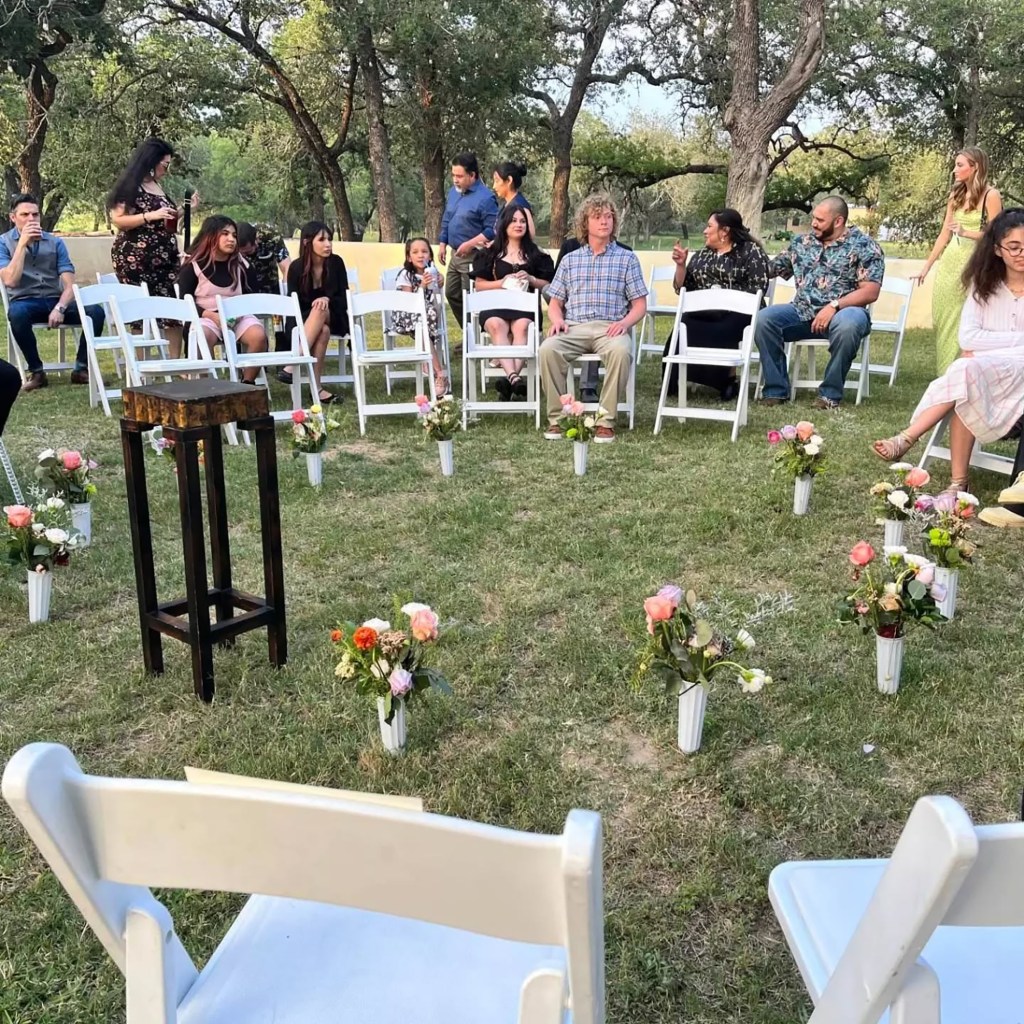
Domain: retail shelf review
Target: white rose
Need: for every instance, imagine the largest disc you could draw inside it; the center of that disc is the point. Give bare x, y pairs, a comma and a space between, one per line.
56, 536
380, 625
381, 668
901, 467
894, 550
588, 422
412, 608
898, 498
49, 453
817, 439
38, 528
967, 497
811, 449
917, 561
55, 502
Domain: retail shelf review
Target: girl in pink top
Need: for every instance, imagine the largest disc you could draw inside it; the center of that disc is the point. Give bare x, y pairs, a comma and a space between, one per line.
215, 267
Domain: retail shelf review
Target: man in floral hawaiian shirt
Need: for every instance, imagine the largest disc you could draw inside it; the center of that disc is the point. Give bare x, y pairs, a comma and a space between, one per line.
838, 271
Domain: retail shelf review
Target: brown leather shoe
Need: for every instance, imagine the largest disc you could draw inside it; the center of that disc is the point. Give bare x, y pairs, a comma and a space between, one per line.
79, 376
35, 381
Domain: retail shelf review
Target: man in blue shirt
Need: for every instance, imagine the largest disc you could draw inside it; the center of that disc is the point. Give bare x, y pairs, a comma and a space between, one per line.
39, 276
467, 224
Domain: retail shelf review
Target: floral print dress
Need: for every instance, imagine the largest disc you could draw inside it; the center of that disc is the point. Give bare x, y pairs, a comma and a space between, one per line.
147, 254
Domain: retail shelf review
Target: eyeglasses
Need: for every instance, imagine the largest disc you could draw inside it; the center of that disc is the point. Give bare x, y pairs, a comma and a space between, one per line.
1013, 249
164, 164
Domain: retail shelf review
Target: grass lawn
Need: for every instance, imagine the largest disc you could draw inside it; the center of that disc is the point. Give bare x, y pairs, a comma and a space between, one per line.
540, 578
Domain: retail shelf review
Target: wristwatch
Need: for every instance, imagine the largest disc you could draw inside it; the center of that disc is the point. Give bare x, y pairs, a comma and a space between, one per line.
834, 304
61, 309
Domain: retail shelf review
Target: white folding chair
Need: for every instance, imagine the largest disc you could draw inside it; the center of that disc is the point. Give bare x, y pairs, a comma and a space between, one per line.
649, 327
903, 290
147, 312
14, 355
362, 913
99, 295
338, 345
683, 355
12, 479
389, 282
109, 279
475, 350
628, 405
807, 351
936, 932
416, 355
979, 459
299, 358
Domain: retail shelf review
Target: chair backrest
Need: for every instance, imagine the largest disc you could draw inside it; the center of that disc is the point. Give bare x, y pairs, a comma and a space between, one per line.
387, 302
389, 278
107, 278
99, 295
108, 840
148, 311
5, 300
476, 304
260, 304
352, 274
894, 286
720, 300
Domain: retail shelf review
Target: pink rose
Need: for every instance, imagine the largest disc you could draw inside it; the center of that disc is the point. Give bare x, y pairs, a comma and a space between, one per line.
565, 400
924, 503
862, 553
926, 574
774, 437
72, 460
423, 625
18, 516
400, 682
299, 416
577, 409
804, 430
917, 477
672, 592
422, 403
945, 502
658, 609
789, 432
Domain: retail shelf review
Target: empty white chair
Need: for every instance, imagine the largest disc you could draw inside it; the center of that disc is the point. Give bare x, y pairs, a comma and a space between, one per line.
934, 933
903, 290
979, 459
299, 358
364, 914
682, 355
99, 295
14, 355
338, 345
477, 351
416, 355
649, 326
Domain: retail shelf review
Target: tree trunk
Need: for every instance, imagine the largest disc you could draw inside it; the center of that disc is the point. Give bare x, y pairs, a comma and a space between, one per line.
561, 150
379, 145
40, 92
748, 179
339, 197
55, 203
973, 105
432, 157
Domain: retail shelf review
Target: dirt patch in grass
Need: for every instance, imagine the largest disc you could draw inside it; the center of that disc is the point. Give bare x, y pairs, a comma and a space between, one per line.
363, 449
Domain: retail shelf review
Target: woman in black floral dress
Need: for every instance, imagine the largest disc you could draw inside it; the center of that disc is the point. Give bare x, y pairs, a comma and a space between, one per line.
731, 258
146, 246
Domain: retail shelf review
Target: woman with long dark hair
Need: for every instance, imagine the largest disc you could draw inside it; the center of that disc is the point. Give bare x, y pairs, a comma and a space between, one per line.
319, 278
513, 261
984, 387
731, 258
145, 250
420, 274
507, 180
215, 267
971, 204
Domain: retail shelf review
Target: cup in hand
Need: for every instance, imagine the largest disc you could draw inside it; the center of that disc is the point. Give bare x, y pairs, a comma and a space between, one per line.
171, 220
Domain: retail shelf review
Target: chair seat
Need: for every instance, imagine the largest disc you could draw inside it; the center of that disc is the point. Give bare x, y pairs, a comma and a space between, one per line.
297, 962
706, 357
819, 905
501, 352
273, 359
180, 365
661, 310
394, 355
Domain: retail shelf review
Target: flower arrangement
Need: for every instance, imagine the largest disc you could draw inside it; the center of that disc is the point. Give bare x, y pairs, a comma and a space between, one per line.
388, 662
889, 592
685, 650
38, 537
947, 524
310, 430
577, 424
66, 475
895, 500
798, 450
165, 447
440, 420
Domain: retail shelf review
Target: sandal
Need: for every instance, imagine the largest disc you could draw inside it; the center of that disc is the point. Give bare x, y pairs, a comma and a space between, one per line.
954, 488
893, 448
326, 397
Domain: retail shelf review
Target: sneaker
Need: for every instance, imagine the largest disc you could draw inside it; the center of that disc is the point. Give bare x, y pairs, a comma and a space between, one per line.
588, 396
821, 402
604, 435
79, 376
1014, 494
36, 379
1002, 517
553, 433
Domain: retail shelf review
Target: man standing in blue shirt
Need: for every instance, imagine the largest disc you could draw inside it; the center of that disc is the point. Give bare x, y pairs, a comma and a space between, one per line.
39, 276
467, 224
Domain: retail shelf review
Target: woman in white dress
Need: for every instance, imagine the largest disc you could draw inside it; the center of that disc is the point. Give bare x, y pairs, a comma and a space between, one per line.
984, 388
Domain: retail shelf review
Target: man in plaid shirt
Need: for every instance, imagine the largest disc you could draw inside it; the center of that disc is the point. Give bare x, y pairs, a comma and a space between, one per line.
598, 294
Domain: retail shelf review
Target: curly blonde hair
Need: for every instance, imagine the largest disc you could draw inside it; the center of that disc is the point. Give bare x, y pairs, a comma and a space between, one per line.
596, 203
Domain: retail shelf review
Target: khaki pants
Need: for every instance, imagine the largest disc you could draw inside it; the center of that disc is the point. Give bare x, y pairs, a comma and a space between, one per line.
456, 281
558, 351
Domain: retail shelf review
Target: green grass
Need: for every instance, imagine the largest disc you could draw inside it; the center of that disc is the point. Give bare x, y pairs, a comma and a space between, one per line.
540, 578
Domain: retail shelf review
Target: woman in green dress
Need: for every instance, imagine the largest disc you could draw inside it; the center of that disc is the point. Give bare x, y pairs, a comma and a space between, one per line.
972, 204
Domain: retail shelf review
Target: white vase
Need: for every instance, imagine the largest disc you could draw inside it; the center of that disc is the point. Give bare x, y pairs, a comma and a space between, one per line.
315, 468
447, 452
81, 520
392, 735
950, 579
579, 456
889, 662
802, 494
40, 587
692, 704
894, 533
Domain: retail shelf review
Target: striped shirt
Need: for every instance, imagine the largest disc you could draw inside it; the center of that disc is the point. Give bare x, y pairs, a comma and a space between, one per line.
598, 286
997, 323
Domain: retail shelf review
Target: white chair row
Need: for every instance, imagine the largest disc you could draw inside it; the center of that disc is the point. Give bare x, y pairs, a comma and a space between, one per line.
365, 912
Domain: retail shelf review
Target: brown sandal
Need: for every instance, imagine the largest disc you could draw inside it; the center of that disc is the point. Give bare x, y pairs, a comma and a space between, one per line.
893, 448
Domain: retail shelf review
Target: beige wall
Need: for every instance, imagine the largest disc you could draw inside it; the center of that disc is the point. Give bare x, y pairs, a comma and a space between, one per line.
91, 254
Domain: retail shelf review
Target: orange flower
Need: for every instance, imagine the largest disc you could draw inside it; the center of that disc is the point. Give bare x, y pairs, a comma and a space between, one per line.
365, 638
336, 635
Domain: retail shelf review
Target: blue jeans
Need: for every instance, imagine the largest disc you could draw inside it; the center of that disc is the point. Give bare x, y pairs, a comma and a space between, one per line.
26, 312
778, 325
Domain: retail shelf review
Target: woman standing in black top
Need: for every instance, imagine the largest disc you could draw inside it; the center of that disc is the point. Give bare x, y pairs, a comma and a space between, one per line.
731, 258
320, 280
514, 261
